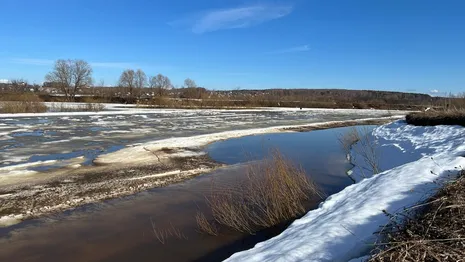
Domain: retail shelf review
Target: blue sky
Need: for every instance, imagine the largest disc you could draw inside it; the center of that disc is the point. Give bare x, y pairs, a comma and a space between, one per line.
400, 45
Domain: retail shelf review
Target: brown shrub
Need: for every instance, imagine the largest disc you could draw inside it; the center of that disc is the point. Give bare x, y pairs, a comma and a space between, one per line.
435, 233
273, 192
433, 118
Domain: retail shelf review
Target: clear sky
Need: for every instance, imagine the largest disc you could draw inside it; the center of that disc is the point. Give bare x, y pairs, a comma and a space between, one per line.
400, 45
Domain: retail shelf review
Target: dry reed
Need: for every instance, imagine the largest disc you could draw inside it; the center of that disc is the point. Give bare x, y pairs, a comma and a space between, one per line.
274, 191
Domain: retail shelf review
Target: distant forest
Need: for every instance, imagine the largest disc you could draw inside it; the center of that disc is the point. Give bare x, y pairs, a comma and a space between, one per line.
73, 80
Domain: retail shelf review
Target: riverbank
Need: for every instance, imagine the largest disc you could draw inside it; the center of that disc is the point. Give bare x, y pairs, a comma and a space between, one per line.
158, 164
415, 163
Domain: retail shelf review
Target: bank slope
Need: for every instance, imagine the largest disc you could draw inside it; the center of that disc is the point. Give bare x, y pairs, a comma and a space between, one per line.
416, 160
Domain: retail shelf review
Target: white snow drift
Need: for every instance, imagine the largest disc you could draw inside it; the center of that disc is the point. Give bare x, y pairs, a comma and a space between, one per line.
342, 228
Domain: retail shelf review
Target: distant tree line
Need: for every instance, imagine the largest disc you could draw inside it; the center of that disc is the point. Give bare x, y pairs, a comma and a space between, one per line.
75, 77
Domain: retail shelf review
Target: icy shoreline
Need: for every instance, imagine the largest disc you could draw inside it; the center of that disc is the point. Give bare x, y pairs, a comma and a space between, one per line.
144, 153
414, 159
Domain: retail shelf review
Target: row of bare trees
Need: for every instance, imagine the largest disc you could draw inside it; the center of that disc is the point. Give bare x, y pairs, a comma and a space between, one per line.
72, 75
135, 81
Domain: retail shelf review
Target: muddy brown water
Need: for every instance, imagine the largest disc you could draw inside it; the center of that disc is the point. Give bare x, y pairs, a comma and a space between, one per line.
122, 229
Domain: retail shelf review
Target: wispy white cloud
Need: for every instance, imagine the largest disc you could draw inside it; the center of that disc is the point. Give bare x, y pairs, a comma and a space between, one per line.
4, 81
434, 91
296, 49
232, 18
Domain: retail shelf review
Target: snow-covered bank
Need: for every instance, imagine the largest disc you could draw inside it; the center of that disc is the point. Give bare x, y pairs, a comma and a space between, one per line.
343, 227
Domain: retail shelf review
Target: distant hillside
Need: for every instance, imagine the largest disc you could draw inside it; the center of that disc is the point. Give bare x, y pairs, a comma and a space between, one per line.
335, 97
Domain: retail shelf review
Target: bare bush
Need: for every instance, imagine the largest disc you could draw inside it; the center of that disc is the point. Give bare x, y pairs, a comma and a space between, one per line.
360, 144
347, 139
273, 192
204, 225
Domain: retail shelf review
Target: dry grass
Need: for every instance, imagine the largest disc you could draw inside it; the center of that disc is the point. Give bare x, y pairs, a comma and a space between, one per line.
20, 97
92, 107
87, 107
22, 107
435, 233
163, 234
433, 118
273, 192
24, 103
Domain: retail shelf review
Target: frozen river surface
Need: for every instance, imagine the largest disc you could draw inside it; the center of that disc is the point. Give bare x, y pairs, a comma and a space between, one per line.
60, 137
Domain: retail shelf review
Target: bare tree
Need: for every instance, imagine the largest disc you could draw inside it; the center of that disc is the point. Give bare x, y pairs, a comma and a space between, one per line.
70, 76
133, 81
189, 83
127, 81
160, 83
18, 85
140, 81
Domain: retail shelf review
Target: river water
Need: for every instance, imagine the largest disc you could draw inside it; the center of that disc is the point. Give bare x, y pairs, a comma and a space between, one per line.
66, 136
122, 229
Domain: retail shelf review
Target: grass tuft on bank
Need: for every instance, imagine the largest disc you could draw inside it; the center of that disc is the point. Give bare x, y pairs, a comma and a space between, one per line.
435, 233
274, 191
434, 118
25, 103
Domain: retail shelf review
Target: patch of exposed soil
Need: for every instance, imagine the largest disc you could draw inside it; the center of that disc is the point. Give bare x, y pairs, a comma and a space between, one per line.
79, 187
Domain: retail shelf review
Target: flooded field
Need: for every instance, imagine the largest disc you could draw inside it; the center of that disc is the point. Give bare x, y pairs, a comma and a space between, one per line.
122, 230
